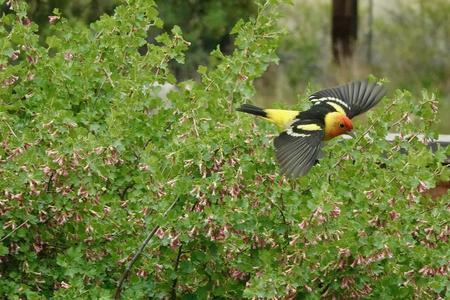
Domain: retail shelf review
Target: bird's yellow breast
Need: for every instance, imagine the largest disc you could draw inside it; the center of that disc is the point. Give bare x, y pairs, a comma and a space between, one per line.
281, 118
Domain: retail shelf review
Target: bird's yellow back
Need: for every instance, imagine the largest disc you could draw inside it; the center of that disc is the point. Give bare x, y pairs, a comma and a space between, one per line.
281, 118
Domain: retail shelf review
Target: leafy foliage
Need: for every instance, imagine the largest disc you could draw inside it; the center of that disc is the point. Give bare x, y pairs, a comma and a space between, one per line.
88, 167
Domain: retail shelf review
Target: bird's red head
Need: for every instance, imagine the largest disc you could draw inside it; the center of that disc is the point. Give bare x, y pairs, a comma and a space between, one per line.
336, 124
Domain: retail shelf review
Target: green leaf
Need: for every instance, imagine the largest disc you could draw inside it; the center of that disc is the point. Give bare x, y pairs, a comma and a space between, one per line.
3, 250
53, 42
248, 293
202, 70
151, 13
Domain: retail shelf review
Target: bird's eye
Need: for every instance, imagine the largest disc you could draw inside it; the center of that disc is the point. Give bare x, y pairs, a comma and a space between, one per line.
341, 125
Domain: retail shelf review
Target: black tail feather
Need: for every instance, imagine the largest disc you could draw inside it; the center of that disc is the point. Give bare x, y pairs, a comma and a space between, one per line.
251, 109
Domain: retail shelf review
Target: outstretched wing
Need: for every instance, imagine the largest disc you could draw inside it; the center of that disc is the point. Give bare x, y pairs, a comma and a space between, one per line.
298, 147
352, 98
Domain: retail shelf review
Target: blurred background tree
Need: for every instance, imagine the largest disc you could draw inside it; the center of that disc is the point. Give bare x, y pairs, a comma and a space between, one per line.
407, 40
80, 13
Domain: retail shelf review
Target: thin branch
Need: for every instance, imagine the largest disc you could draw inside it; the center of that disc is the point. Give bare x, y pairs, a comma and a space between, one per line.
98, 92
195, 127
209, 85
174, 286
47, 188
393, 178
138, 253
428, 209
151, 139
12, 131
276, 205
55, 246
109, 78
81, 294
13, 231
116, 234
23, 148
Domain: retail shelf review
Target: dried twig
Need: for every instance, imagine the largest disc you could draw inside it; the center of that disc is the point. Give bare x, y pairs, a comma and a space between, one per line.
174, 286
138, 253
13, 231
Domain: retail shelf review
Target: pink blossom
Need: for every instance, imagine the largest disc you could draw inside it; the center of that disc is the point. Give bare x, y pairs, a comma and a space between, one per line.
141, 273
48, 124
344, 252
68, 56
371, 194
13, 79
52, 19
65, 285
408, 119
160, 233
336, 211
143, 167
421, 187
434, 108
317, 212
11, 4
412, 197
242, 77
374, 220
302, 225
30, 77
294, 240
389, 253
394, 216
182, 119
392, 201
94, 213
15, 54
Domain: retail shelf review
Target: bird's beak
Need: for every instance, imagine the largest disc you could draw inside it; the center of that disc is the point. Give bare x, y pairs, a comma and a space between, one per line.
351, 133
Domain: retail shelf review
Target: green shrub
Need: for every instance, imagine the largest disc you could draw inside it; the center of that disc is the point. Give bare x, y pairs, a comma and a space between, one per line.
87, 174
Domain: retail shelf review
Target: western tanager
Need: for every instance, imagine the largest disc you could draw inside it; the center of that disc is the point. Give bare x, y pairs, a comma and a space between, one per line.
300, 143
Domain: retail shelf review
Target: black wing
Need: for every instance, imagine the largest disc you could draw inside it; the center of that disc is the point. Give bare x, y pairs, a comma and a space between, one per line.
353, 98
298, 147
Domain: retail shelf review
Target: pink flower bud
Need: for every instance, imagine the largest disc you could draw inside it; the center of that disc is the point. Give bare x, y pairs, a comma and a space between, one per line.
302, 225
52, 19
394, 216
68, 56
48, 124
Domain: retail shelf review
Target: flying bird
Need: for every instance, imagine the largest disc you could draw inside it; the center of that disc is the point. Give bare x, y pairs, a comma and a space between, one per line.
298, 146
